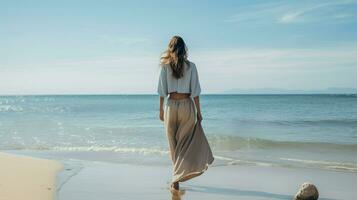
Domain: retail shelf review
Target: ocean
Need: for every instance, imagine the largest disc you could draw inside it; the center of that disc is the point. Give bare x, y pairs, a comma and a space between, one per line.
303, 131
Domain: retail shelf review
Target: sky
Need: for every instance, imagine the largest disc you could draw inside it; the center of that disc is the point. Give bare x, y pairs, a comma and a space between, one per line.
113, 47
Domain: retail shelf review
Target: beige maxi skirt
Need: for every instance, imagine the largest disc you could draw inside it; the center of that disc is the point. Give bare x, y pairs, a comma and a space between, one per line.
189, 149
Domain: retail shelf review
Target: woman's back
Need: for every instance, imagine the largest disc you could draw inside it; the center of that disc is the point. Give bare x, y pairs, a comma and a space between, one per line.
188, 83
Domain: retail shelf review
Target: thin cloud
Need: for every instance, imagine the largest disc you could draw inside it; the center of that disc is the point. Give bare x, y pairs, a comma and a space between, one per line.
219, 70
326, 11
257, 13
288, 68
298, 12
125, 41
282, 59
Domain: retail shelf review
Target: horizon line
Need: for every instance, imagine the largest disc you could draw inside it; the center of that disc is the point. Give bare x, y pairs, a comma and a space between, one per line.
153, 94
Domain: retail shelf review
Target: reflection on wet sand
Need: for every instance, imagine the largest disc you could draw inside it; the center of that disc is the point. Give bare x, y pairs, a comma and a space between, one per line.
177, 194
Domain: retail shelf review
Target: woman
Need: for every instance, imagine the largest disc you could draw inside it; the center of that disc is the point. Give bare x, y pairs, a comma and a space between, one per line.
189, 149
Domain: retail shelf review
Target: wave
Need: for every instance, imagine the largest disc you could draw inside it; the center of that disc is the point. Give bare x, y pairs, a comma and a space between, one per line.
113, 149
220, 160
217, 142
10, 108
234, 161
236, 143
329, 165
301, 122
144, 151
351, 122
293, 163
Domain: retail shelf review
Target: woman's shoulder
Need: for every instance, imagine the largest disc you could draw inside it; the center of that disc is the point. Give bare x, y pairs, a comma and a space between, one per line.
164, 66
191, 64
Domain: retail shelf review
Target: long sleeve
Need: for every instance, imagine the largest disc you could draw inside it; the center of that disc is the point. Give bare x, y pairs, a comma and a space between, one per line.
162, 85
195, 83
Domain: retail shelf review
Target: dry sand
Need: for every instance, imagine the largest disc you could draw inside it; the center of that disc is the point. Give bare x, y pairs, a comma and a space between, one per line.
27, 178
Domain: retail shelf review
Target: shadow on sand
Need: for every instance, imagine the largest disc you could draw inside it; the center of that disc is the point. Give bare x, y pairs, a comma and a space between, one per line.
238, 192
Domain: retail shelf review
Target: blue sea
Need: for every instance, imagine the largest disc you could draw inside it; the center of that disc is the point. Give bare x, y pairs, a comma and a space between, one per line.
295, 131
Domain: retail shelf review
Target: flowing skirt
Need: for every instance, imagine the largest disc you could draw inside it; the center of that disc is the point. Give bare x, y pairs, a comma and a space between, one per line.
189, 149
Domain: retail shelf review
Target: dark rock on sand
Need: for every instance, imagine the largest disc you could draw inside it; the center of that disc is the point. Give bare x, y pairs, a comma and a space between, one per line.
308, 191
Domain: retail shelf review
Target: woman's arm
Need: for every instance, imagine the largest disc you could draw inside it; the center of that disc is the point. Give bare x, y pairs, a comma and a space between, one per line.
161, 108
198, 108
196, 91
162, 90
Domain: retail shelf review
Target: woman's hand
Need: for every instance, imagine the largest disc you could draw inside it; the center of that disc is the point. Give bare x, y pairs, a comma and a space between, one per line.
162, 114
199, 117
198, 108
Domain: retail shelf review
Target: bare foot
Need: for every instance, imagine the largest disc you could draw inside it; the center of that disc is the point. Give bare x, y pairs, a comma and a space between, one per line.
175, 186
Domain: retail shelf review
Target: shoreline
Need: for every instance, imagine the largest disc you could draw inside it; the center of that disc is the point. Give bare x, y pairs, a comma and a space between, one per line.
26, 177
88, 179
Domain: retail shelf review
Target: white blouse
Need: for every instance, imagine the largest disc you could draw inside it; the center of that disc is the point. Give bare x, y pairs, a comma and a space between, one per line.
189, 83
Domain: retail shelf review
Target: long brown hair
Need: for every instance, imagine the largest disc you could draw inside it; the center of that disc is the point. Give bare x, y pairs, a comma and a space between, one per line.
175, 56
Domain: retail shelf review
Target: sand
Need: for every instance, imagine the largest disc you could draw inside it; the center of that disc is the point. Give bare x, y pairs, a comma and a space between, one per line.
27, 178
112, 181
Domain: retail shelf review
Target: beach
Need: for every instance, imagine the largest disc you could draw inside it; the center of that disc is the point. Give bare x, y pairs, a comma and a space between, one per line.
121, 100
115, 147
89, 180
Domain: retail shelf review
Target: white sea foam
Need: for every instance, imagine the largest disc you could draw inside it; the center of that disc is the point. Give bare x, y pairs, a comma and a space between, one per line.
10, 108
233, 161
332, 165
145, 151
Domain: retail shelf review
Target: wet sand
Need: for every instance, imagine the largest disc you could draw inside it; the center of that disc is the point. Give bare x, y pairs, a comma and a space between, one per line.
112, 181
